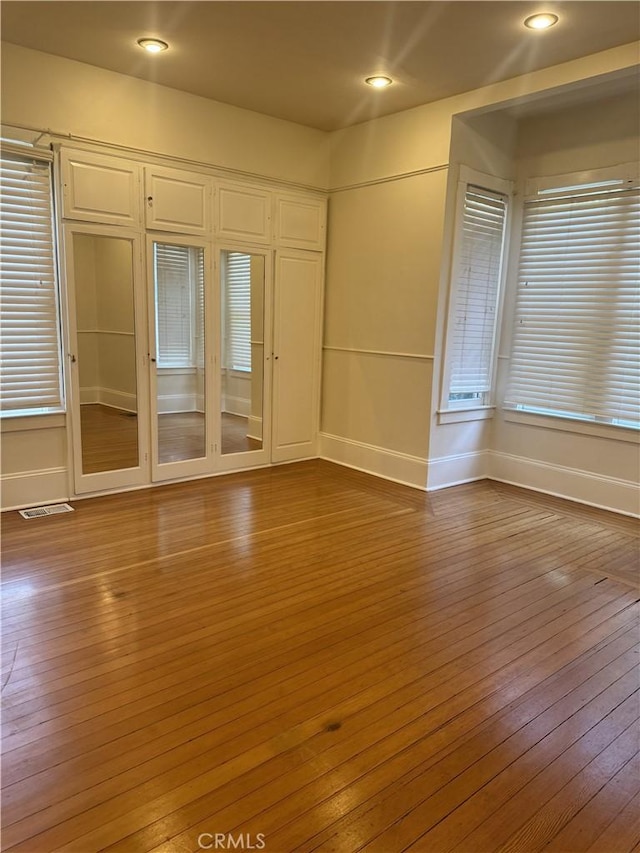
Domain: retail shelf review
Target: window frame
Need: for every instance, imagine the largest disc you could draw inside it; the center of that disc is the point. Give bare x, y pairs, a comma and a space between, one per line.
484, 408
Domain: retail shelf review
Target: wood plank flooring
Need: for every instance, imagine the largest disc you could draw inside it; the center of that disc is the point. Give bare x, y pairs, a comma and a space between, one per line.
306, 658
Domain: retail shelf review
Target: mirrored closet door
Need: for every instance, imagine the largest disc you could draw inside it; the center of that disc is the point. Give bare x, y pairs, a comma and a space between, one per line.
181, 357
107, 357
244, 357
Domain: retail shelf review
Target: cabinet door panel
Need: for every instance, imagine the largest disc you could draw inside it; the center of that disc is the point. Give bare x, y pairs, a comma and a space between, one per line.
177, 201
96, 188
243, 213
300, 222
297, 324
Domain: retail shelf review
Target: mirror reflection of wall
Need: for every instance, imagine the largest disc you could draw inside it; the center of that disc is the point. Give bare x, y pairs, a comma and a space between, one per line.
180, 351
242, 294
103, 275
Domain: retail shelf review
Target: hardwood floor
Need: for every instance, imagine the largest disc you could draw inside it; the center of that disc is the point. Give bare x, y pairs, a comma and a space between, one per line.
318, 660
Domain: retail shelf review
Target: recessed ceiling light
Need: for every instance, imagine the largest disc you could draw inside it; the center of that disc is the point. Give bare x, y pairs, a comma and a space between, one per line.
379, 82
153, 45
542, 21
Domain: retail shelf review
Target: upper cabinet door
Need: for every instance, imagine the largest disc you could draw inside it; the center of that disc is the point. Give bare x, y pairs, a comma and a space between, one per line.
96, 188
243, 213
177, 201
300, 222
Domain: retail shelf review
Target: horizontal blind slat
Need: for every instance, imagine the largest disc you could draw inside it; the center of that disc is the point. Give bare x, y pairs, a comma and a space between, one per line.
576, 341
29, 325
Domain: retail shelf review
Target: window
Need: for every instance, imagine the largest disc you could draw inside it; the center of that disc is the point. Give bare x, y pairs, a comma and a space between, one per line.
575, 350
179, 282
237, 310
479, 245
31, 378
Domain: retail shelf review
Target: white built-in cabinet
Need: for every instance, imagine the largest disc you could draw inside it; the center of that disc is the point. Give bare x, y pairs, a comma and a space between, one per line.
177, 201
214, 219
96, 188
242, 213
300, 222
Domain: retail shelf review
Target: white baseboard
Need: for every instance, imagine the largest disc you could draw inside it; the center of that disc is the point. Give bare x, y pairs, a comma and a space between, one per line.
109, 397
169, 404
254, 428
576, 485
89, 395
457, 469
34, 488
388, 464
236, 406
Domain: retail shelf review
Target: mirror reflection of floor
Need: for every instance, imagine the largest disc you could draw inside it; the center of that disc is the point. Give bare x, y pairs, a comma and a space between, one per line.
110, 437
234, 435
181, 436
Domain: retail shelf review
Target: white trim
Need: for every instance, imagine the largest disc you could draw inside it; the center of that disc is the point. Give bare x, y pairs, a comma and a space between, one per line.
388, 464
34, 488
109, 397
400, 176
569, 182
169, 404
473, 413
388, 353
608, 493
104, 332
457, 469
254, 428
240, 406
467, 175
575, 425
26, 423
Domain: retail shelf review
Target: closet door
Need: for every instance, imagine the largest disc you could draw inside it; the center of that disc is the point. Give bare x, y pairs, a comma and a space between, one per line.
107, 358
180, 356
244, 357
296, 364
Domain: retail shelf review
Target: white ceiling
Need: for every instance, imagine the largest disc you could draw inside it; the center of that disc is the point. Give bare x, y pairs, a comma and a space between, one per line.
305, 60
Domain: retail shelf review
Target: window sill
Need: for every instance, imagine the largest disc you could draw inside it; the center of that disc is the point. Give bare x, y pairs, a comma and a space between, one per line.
26, 423
456, 416
181, 370
557, 422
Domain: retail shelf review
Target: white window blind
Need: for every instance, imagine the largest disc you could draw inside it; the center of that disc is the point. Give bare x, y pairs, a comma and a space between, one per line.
576, 339
475, 292
174, 282
31, 380
237, 291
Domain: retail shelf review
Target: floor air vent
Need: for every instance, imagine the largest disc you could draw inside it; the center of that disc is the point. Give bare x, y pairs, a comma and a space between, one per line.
39, 511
